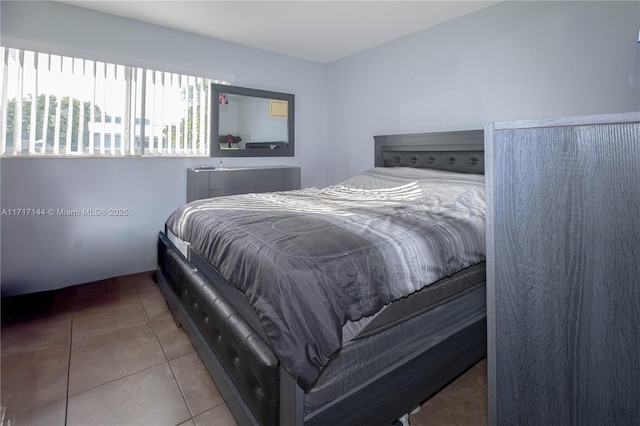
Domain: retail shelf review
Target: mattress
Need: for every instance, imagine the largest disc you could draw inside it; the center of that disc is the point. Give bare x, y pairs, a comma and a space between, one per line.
313, 263
421, 301
372, 354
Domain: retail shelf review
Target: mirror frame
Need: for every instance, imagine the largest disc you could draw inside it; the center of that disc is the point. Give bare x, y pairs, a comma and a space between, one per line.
214, 127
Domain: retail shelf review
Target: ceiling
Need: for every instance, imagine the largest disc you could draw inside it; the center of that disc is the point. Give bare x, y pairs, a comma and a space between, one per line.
319, 31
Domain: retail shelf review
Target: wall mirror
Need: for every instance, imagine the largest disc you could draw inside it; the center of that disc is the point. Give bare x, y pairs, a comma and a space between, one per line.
251, 123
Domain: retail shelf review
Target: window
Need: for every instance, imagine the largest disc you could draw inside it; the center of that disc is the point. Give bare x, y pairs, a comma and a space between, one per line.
53, 105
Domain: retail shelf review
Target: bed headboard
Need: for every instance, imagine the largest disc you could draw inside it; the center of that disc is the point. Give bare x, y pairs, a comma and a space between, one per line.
459, 151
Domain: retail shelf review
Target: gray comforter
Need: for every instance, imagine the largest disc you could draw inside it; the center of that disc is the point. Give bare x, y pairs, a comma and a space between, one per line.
310, 260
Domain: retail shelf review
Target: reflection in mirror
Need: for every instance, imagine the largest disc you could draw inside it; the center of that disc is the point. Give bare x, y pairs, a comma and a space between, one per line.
247, 121
251, 123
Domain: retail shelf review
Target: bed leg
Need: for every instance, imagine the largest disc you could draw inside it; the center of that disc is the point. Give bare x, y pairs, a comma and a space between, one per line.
291, 401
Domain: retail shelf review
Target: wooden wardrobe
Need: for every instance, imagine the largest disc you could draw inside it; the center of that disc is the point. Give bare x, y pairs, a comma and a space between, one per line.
563, 271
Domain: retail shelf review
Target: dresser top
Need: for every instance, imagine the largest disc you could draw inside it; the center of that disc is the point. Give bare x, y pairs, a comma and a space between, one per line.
222, 169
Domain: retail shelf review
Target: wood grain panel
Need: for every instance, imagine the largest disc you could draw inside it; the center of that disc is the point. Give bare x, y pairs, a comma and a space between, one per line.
566, 274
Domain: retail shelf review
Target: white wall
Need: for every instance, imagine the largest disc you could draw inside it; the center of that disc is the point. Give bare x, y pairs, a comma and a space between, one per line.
515, 60
43, 253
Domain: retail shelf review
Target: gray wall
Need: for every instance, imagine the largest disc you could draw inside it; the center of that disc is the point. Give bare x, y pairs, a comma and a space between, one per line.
41, 253
515, 60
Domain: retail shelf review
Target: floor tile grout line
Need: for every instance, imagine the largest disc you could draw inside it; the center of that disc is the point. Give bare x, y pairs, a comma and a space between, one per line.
184, 398
66, 400
173, 374
148, 322
155, 333
119, 378
193, 416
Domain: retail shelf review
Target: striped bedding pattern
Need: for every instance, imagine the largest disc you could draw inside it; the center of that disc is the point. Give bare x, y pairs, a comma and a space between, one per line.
311, 260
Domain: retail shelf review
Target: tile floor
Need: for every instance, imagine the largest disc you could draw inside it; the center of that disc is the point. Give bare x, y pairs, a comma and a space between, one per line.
109, 353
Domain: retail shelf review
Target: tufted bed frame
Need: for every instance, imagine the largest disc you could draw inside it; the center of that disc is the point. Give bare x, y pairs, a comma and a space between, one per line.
225, 331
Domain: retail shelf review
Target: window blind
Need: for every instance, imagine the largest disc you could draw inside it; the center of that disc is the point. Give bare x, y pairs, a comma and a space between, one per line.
54, 105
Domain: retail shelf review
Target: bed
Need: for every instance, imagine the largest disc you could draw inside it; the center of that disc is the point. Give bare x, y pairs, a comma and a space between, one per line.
313, 333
